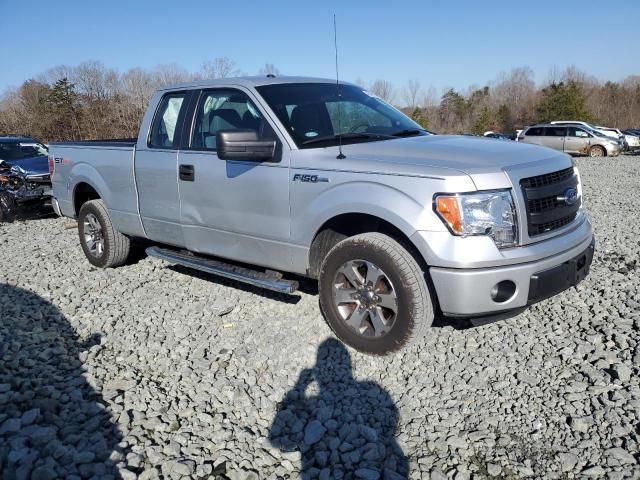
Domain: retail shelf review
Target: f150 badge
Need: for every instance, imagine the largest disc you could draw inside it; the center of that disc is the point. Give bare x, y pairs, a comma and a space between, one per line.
300, 177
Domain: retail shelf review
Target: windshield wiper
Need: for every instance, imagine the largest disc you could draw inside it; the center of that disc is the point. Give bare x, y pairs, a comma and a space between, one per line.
408, 132
345, 136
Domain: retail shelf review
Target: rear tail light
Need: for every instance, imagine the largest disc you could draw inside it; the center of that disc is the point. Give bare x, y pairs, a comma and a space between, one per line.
52, 166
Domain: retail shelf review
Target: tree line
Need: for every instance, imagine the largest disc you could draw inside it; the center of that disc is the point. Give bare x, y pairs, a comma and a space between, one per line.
513, 101
92, 101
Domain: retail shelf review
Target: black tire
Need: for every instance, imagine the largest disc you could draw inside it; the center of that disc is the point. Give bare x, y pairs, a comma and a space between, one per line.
116, 245
597, 151
414, 306
7, 208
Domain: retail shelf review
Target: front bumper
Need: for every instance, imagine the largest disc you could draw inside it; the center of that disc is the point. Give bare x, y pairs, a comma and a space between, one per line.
468, 292
613, 150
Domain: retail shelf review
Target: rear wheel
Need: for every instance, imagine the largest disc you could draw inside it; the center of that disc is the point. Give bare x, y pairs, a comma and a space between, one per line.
597, 151
101, 243
374, 295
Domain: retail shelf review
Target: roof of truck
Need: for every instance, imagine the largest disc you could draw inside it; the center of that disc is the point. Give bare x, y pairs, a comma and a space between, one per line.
256, 81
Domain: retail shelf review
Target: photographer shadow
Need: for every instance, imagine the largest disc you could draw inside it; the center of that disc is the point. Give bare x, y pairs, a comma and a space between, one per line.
53, 424
345, 426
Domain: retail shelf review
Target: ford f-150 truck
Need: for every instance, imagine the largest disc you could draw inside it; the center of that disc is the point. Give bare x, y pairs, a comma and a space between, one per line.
250, 178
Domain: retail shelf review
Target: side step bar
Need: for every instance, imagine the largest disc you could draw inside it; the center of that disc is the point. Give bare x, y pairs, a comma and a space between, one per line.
269, 280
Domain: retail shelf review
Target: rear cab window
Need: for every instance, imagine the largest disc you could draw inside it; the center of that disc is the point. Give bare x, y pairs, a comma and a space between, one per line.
167, 121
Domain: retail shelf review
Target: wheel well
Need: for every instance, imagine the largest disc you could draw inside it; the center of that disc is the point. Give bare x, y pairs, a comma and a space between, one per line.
350, 224
604, 150
82, 194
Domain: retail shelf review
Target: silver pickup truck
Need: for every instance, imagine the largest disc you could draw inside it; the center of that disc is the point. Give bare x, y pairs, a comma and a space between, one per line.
247, 178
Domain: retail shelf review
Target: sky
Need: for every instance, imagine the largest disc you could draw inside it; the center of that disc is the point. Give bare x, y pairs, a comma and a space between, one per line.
441, 44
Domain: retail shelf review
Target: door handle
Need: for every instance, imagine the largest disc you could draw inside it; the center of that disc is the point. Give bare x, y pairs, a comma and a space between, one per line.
187, 173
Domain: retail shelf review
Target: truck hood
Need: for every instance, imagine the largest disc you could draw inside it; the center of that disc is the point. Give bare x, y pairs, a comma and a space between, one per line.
32, 165
471, 155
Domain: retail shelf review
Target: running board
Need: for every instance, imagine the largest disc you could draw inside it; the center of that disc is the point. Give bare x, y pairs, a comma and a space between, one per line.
269, 280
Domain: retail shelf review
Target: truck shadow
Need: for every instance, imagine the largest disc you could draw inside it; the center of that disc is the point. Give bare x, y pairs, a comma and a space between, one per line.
53, 424
309, 286
344, 428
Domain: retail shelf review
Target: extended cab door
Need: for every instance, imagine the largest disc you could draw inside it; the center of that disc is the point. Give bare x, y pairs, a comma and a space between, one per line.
232, 208
156, 168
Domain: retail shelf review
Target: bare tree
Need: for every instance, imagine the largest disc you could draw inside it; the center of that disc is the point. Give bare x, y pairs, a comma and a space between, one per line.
219, 67
383, 89
269, 69
429, 98
574, 74
516, 91
411, 92
93, 80
170, 74
361, 83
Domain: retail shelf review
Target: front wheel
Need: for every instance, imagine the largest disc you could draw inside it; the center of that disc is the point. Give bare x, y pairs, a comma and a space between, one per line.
597, 151
7, 207
374, 295
101, 243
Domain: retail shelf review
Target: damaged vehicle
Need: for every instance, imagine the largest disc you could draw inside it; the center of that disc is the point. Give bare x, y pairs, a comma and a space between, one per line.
25, 183
571, 139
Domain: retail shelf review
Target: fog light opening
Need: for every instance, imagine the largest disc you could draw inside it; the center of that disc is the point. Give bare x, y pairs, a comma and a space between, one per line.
503, 291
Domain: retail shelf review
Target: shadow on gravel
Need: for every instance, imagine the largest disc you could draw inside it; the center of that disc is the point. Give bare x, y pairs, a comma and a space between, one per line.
341, 427
28, 215
441, 321
53, 424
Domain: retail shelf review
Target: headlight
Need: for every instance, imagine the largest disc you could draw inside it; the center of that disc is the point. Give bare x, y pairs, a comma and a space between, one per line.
483, 213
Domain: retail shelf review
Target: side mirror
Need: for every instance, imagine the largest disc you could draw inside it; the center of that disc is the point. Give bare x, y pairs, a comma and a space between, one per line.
243, 145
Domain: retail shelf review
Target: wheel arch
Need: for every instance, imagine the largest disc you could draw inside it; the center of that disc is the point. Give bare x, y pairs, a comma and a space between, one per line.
82, 193
346, 225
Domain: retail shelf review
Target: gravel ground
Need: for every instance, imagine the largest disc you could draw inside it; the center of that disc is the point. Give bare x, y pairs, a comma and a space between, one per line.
151, 371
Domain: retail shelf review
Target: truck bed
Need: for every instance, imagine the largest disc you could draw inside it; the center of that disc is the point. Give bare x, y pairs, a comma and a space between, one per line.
84, 165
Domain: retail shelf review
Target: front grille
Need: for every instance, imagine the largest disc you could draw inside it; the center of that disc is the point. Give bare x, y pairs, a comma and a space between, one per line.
547, 178
546, 208
549, 226
543, 204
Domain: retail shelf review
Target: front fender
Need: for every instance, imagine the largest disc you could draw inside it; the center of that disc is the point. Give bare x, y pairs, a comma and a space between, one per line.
403, 202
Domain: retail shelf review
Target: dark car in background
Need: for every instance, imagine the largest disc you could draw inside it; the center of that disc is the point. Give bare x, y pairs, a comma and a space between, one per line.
25, 182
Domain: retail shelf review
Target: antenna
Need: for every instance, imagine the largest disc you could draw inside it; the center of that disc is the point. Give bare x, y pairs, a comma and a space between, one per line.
335, 44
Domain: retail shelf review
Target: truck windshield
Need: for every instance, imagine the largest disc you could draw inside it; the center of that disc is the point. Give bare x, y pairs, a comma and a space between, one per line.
20, 150
321, 115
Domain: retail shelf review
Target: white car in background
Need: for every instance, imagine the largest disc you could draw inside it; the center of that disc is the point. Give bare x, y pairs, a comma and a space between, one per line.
633, 139
631, 142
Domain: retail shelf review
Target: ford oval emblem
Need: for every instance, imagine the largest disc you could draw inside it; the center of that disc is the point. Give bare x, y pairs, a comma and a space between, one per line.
570, 196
